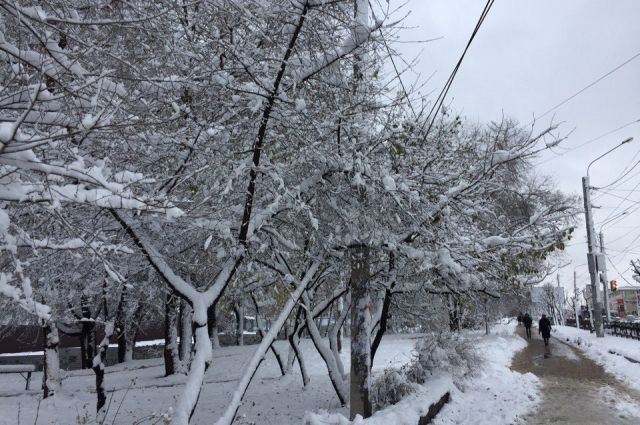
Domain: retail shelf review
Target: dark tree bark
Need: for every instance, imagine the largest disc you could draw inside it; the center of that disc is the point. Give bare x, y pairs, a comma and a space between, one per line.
121, 330
360, 373
212, 325
281, 364
171, 356
386, 305
87, 335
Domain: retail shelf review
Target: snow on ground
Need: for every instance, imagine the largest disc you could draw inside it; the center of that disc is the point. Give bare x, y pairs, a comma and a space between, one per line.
623, 404
610, 352
138, 392
493, 395
496, 395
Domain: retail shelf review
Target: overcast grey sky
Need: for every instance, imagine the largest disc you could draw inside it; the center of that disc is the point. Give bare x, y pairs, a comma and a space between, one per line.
528, 57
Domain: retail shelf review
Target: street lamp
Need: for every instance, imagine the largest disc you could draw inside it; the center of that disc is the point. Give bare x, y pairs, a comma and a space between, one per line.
595, 260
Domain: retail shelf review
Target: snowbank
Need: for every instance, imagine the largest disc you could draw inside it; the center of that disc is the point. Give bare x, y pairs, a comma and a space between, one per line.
494, 394
610, 352
407, 412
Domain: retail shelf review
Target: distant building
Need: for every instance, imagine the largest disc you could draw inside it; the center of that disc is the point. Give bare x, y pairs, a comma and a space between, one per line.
625, 300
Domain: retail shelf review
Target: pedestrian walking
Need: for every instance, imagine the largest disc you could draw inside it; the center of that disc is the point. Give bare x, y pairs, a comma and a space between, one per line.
544, 328
527, 320
520, 319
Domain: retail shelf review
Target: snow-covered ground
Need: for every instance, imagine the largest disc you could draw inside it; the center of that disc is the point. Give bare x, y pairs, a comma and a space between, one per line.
610, 352
493, 395
496, 395
138, 393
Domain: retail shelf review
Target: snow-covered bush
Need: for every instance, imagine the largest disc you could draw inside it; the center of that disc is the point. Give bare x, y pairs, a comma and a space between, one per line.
391, 387
447, 352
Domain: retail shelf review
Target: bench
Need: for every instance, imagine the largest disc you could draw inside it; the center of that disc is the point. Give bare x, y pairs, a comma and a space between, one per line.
21, 369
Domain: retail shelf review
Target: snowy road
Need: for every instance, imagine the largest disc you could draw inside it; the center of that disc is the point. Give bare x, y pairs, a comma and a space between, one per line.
575, 389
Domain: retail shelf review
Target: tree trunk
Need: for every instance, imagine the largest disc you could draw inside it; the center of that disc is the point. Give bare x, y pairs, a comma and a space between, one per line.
87, 335
212, 323
171, 353
121, 330
339, 336
454, 316
360, 377
275, 352
98, 369
294, 343
334, 365
258, 355
238, 310
132, 333
333, 334
186, 334
51, 374
384, 315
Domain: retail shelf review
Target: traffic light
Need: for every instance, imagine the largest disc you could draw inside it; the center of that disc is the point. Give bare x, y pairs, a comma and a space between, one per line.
614, 285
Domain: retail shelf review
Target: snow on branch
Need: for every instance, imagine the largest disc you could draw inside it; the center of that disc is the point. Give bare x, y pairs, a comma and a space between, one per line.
349, 45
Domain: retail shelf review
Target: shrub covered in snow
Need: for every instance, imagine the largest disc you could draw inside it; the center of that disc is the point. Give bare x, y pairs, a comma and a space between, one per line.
391, 387
447, 352
444, 352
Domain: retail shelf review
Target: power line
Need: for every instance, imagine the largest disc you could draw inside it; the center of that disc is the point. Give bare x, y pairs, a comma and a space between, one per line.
618, 271
433, 113
625, 173
590, 85
595, 139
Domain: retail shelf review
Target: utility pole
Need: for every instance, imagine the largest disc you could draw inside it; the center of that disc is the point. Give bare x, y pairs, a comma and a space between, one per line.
560, 304
605, 281
575, 299
592, 259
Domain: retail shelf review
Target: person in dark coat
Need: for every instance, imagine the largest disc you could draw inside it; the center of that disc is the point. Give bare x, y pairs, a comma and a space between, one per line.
520, 319
544, 328
526, 320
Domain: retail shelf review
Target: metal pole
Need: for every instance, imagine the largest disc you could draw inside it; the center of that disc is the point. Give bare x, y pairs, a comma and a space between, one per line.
575, 299
591, 259
605, 281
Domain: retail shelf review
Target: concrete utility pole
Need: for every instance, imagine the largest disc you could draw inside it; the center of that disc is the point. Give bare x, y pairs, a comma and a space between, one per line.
605, 281
592, 259
575, 299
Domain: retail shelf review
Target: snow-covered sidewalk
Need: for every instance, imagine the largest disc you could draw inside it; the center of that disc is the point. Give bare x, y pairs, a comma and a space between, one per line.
496, 395
611, 352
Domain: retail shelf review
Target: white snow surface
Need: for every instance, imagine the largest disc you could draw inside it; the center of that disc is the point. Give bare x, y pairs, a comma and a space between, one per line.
610, 352
495, 395
270, 399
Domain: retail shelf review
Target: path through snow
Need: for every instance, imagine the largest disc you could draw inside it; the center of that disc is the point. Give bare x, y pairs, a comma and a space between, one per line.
575, 389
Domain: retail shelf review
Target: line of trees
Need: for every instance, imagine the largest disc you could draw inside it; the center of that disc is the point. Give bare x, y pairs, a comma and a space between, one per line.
174, 159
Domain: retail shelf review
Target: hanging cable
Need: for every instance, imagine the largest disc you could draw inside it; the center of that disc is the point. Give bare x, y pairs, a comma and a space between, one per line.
433, 113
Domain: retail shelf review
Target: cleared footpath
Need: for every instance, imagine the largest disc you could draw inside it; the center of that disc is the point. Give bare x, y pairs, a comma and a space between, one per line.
575, 389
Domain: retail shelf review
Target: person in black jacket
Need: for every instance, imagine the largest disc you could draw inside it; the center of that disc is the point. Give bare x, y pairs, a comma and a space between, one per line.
526, 320
544, 328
